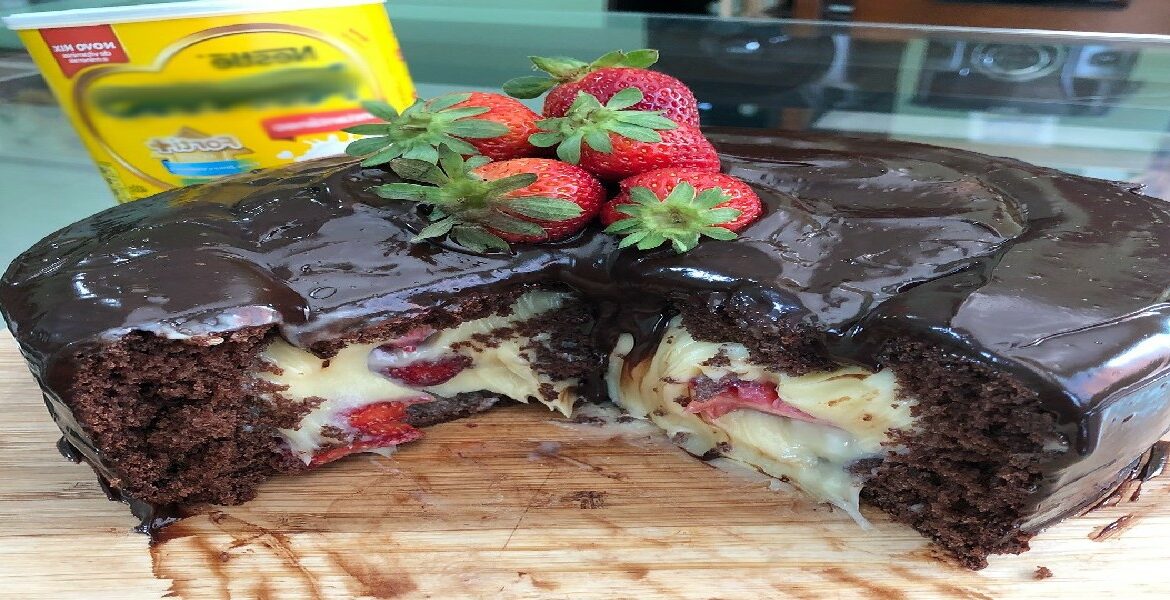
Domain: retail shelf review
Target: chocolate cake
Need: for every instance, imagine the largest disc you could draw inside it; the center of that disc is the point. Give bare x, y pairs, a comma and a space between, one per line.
975, 345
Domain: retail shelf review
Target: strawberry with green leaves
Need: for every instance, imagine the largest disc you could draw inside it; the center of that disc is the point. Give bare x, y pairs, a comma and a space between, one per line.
471, 123
679, 206
614, 142
602, 79
483, 205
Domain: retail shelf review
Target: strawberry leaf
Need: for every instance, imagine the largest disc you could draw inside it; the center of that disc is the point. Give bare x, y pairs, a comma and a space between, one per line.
684, 241
648, 120
682, 218
545, 139
584, 103
460, 146
635, 132
625, 98
640, 59
420, 130
589, 122
437, 229
653, 239
529, 86
545, 209
719, 215
477, 239
609, 59
447, 101
633, 238
380, 109
409, 191
390, 153
367, 145
570, 149
503, 222
719, 233
599, 141
452, 114
644, 196
477, 128
622, 226
510, 183
369, 129
423, 153
418, 170
557, 65
478, 160
710, 198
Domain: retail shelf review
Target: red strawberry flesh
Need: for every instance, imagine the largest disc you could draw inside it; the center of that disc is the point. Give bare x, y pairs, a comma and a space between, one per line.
513, 114
425, 373
377, 425
737, 394
380, 418
681, 147
401, 434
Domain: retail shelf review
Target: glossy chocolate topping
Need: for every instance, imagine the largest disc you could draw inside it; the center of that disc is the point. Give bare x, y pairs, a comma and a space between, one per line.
1060, 280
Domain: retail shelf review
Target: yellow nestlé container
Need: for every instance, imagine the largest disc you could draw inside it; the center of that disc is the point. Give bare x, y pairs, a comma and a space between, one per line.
167, 95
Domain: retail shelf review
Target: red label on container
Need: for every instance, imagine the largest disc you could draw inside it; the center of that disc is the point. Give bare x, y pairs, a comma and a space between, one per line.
290, 126
76, 48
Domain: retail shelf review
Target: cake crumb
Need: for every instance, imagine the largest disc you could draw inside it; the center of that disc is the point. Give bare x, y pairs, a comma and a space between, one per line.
583, 419
586, 499
1042, 573
719, 360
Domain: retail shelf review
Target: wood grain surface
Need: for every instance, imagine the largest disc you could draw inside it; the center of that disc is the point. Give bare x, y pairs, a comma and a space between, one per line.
519, 504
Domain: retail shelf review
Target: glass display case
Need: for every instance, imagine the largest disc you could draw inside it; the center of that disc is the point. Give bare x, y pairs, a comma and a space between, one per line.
1094, 105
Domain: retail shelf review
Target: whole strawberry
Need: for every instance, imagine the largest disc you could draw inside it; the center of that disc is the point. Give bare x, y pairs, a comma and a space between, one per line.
469, 123
605, 77
484, 206
554, 179
679, 206
615, 142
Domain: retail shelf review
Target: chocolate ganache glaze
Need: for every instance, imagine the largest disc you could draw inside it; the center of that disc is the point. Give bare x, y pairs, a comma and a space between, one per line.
1057, 279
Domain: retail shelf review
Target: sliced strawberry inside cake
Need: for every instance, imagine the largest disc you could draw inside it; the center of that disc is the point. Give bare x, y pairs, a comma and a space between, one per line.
809, 429
363, 396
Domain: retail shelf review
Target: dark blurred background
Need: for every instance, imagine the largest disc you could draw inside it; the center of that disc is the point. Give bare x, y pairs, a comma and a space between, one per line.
1118, 16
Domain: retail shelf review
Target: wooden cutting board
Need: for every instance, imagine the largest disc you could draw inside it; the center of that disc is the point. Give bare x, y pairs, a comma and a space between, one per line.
519, 504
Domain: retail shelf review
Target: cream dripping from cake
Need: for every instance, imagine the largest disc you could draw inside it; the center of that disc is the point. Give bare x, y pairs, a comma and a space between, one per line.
805, 429
359, 395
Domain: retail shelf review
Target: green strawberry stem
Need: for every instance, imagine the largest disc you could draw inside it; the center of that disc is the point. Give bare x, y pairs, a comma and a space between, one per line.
588, 121
421, 130
465, 207
681, 218
561, 69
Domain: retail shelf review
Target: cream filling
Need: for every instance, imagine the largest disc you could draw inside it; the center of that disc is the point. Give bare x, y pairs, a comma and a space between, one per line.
346, 382
855, 409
